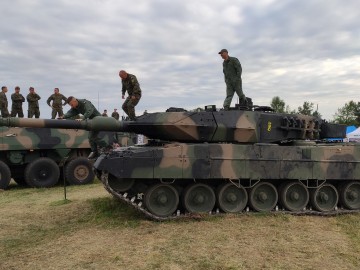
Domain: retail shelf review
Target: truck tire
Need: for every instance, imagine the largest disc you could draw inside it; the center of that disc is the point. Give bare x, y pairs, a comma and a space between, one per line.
5, 175
79, 171
42, 172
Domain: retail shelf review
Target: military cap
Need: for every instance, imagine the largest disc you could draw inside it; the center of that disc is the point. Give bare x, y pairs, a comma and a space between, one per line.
223, 50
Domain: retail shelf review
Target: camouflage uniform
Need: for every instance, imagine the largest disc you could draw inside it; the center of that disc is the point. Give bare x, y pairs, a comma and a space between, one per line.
56, 104
115, 115
132, 86
88, 110
16, 107
232, 74
33, 100
4, 105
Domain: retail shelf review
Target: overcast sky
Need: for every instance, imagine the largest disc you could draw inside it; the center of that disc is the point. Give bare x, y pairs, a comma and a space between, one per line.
298, 50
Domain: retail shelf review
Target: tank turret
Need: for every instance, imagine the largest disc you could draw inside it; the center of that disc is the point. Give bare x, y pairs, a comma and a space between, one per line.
207, 126
226, 161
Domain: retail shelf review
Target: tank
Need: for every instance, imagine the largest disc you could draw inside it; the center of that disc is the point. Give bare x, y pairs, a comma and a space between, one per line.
217, 161
37, 157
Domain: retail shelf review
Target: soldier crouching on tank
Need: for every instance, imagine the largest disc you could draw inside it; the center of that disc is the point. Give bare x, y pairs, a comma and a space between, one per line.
132, 86
88, 110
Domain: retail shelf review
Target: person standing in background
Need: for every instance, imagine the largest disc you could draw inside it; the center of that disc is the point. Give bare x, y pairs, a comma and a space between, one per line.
33, 101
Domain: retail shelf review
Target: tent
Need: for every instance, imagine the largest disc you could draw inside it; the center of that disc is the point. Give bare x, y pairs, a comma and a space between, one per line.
354, 136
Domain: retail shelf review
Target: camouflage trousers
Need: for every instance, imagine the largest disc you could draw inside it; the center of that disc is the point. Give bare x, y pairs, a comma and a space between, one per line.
34, 112
231, 88
95, 141
55, 111
129, 106
17, 111
4, 112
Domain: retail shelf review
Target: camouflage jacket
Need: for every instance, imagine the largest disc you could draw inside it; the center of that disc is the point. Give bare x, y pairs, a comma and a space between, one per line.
85, 107
17, 100
115, 115
232, 69
57, 100
132, 85
33, 100
3, 100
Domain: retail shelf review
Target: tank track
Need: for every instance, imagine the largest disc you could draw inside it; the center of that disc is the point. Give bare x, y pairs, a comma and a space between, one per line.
136, 203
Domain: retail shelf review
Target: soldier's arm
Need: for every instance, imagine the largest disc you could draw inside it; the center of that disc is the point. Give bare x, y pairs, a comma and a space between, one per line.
136, 85
64, 99
123, 89
237, 66
48, 100
38, 97
71, 113
89, 110
30, 98
22, 98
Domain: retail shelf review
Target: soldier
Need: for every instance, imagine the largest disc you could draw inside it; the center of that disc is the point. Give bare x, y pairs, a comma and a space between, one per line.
232, 74
132, 86
115, 114
88, 110
17, 101
104, 113
57, 104
33, 100
4, 102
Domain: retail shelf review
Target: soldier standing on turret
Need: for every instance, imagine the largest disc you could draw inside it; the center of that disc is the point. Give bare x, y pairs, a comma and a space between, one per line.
57, 104
17, 101
115, 114
132, 86
4, 102
33, 101
232, 75
88, 110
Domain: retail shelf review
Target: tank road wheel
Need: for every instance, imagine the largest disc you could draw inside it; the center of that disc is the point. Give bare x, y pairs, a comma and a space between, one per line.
263, 197
294, 196
42, 172
5, 175
230, 198
161, 200
324, 198
350, 195
199, 198
79, 171
120, 184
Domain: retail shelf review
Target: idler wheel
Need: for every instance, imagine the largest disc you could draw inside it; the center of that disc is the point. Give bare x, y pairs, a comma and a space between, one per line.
231, 198
161, 200
263, 197
120, 184
198, 198
324, 198
294, 196
350, 195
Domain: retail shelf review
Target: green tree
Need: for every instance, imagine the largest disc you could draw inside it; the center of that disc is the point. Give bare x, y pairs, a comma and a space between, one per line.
278, 104
307, 108
349, 114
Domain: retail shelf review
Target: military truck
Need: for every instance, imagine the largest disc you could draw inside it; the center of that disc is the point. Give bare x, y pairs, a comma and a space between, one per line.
37, 157
226, 161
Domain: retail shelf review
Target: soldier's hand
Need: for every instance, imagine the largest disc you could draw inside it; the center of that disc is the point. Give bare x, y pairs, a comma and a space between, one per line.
123, 97
133, 97
60, 117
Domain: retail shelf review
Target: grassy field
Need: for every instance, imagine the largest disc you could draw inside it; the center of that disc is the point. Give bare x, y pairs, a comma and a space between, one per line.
40, 230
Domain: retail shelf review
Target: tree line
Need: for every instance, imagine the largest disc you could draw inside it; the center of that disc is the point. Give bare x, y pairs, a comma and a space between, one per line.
349, 114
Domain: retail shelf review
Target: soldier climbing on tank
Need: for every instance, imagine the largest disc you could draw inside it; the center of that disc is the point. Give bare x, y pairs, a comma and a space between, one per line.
4, 102
17, 101
232, 75
132, 86
33, 101
57, 103
88, 110
115, 114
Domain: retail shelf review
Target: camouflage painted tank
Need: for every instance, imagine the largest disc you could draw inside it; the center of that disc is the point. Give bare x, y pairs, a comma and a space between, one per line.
36, 156
227, 161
